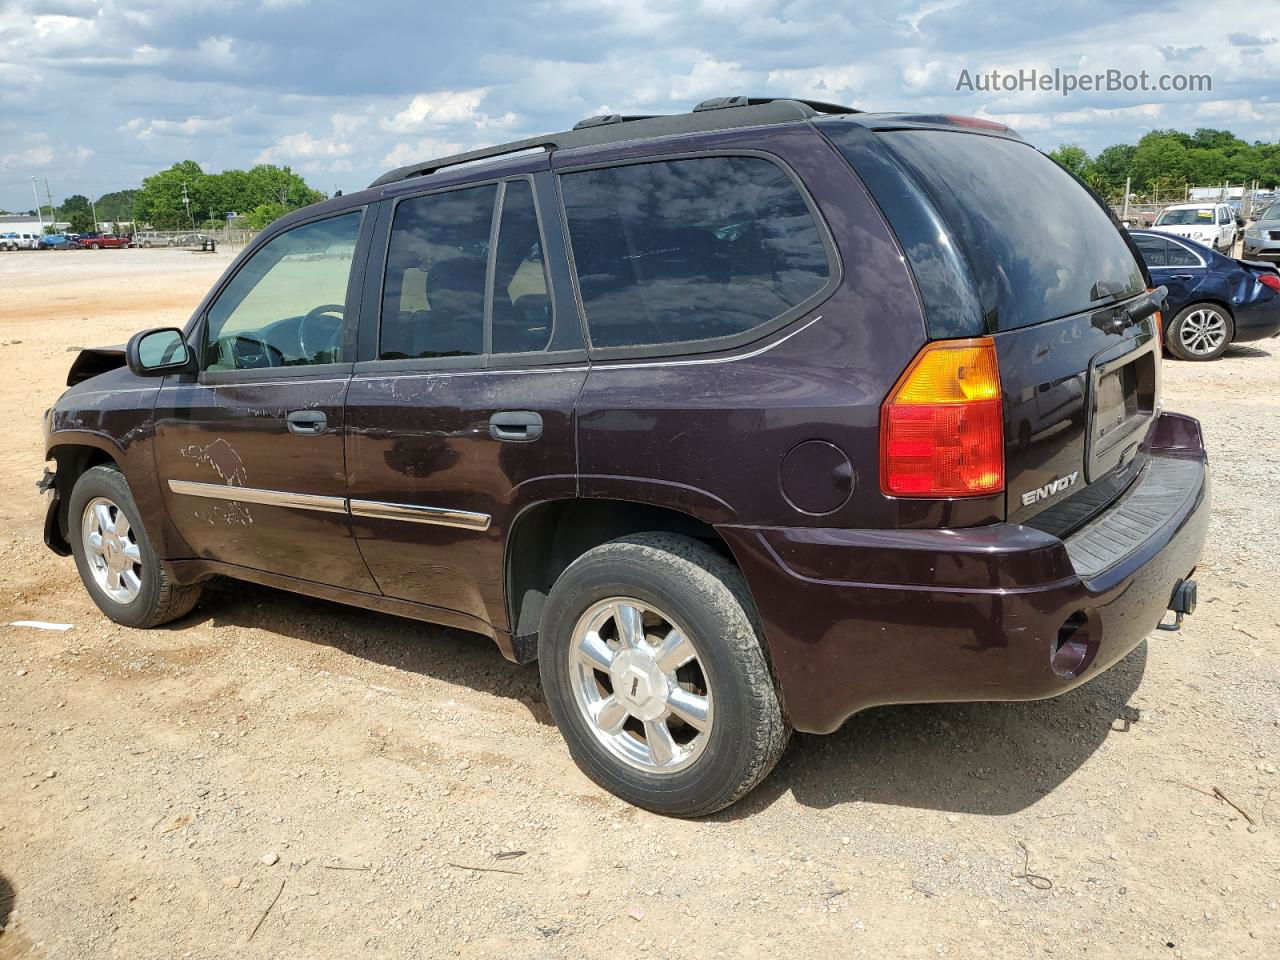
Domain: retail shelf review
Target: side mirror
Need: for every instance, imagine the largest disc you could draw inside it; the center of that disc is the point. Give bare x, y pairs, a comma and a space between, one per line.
154, 353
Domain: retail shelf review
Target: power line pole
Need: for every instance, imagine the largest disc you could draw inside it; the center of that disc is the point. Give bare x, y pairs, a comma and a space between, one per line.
186, 202
39, 215
53, 212
94, 208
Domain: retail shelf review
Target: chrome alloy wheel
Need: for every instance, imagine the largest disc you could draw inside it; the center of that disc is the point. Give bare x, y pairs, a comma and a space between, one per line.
111, 550
639, 685
1202, 331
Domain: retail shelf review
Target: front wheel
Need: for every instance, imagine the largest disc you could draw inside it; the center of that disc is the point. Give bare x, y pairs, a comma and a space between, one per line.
114, 555
1202, 331
653, 670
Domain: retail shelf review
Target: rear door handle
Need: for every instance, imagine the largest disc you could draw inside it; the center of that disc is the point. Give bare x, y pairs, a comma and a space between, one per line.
307, 422
1183, 276
516, 425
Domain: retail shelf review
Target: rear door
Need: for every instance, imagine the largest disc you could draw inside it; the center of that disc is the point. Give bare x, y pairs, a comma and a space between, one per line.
1054, 275
461, 412
1173, 265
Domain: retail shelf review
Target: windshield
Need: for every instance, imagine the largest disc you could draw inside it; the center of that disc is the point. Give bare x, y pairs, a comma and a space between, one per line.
1183, 217
1271, 213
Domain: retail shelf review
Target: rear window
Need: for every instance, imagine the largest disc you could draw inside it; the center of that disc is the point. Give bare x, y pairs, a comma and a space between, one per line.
1039, 245
686, 251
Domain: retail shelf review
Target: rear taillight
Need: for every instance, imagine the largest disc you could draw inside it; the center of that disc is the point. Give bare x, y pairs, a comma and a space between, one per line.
1270, 280
942, 426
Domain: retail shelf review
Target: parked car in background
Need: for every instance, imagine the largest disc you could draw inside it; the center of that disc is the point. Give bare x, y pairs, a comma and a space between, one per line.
150, 238
1262, 237
58, 241
706, 413
105, 241
1213, 224
1213, 300
19, 241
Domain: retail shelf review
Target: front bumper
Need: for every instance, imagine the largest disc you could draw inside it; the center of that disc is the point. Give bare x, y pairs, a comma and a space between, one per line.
860, 618
1261, 249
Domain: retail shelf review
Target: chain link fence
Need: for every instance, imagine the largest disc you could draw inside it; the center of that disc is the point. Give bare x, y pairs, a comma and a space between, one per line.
192, 239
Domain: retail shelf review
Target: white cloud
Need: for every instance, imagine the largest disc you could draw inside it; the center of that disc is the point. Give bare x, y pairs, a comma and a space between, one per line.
427, 148
188, 128
31, 157
431, 109
302, 146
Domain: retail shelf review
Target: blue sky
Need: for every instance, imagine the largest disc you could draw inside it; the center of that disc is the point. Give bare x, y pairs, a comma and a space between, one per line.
95, 94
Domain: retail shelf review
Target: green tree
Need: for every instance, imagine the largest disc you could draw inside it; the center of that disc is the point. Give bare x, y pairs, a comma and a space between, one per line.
1074, 159
117, 206
160, 200
80, 222
265, 213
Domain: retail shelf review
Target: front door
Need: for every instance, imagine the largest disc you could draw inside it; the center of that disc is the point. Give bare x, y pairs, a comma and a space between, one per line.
249, 451
463, 412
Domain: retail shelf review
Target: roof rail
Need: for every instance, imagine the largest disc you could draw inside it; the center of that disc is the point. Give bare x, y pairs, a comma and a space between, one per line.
817, 106
614, 127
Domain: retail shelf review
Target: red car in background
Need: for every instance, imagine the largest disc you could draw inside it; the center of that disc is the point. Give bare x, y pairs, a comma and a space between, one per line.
105, 241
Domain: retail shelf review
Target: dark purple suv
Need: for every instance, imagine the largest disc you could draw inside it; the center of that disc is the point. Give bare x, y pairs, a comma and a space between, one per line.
738, 421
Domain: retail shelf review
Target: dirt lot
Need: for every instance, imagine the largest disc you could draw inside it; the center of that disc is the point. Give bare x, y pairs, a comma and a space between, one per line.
160, 791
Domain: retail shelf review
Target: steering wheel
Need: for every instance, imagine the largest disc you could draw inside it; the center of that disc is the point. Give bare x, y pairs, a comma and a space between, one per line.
248, 351
314, 337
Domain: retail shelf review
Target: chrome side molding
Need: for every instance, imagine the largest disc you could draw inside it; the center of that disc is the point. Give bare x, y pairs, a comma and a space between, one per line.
369, 509
379, 510
270, 498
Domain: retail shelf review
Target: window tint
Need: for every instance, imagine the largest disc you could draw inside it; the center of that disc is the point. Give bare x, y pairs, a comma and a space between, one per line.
1154, 250
285, 307
686, 250
1040, 246
1180, 256
433, 295
521, 306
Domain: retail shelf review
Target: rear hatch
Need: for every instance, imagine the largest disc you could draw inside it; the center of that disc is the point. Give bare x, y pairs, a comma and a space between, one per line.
1058, 286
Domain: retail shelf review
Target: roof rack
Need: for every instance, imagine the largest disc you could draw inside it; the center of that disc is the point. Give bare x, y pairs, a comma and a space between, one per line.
718, 113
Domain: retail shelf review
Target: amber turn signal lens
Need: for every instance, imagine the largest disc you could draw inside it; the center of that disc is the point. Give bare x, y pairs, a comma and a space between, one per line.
942, 426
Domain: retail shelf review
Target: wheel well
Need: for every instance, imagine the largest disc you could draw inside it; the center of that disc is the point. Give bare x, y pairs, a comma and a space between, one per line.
73, 460
1213, 302
547, 537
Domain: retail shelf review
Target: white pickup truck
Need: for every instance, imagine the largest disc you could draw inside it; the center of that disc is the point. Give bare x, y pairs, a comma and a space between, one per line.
19, 241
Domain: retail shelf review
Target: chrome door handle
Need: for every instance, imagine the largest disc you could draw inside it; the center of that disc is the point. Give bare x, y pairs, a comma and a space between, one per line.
307, 422
516, 425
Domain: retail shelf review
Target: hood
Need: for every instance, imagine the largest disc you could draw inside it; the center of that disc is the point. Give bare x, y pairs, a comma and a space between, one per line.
1190, 231
92, 361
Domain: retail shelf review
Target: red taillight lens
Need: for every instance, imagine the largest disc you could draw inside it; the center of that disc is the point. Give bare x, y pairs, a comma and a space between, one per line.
1270, 280
942, 426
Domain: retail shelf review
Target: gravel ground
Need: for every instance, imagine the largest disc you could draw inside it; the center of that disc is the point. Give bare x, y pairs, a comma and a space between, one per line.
276, 776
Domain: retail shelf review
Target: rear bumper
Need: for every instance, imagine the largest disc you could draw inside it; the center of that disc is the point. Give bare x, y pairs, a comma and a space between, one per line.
1257, 321
859, 618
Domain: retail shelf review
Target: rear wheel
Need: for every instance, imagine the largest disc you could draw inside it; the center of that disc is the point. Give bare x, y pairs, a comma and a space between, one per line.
1202, 331
114, 555
653, 669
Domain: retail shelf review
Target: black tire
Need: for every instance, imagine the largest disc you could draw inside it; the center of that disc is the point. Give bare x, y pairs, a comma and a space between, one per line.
707, 599
159, 599
1174, 336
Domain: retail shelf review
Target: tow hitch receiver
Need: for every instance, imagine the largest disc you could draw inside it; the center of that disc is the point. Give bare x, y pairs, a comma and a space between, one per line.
1182, 603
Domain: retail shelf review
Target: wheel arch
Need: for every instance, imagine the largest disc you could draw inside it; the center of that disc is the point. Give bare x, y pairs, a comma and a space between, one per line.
74, 456
547, 536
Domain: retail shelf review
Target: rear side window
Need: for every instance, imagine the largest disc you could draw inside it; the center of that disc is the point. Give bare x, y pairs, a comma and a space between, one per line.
1154, 250
1180, 256
433, 295
1039, 245
683, 251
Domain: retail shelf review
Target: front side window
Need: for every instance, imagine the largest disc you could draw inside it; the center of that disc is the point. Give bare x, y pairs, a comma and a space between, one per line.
681, 251
433, 294
286, 306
